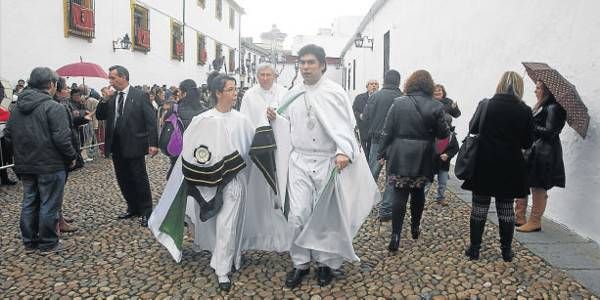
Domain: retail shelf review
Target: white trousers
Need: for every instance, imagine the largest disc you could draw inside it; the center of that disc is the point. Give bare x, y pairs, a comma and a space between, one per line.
227, 228
308, 175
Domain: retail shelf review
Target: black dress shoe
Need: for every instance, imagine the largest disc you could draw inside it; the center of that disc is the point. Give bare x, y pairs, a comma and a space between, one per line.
294, 277
324, 276
127, 215
225, 286
415, 232
394, 242
144, 221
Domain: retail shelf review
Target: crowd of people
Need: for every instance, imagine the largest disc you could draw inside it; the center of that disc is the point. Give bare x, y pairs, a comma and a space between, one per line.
223, 182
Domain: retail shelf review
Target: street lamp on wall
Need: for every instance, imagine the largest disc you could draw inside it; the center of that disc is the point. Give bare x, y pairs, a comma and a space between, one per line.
361, 41
122, 43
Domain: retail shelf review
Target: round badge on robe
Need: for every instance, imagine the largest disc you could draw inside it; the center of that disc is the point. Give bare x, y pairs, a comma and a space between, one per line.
202, 155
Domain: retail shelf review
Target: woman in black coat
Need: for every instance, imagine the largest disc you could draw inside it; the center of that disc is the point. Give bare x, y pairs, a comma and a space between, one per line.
545, 159
412, 124
500, 170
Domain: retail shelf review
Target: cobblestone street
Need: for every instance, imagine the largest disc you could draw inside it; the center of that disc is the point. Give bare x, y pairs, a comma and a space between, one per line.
119, 259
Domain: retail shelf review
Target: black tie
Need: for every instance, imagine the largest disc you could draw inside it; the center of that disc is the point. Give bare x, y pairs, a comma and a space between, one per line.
120, 109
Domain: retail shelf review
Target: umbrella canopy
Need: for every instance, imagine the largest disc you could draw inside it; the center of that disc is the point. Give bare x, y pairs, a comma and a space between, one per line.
564, 92
84, 69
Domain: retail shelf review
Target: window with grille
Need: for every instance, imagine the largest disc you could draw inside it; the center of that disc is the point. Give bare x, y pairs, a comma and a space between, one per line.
177, 42
219, 9
80, 18
202, 55
231, 18
141, 28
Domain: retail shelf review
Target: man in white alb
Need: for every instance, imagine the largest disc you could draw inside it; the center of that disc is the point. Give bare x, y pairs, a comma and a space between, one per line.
329, 187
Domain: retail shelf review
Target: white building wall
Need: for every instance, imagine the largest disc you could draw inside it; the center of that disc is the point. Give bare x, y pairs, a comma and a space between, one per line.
468, 44
32, 34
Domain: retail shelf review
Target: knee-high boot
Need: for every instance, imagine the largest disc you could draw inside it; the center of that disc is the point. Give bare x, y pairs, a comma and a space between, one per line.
475, 234
538, 207
520, 211
507, 230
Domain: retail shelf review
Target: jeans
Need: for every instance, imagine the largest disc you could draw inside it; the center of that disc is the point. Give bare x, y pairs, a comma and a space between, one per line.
42, 200
385, 209
442, 177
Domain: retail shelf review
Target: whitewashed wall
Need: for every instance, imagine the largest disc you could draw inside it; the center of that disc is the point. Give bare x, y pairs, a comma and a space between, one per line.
32, 34
468, 44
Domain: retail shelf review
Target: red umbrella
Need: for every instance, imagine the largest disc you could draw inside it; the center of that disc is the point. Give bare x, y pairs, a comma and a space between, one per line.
83, 69
564, 92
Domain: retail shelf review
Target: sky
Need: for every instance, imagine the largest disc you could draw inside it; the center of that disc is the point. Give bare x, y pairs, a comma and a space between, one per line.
296, 17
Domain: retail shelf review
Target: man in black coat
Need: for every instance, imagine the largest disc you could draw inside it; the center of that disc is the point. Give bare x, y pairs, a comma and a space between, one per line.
360, 102
374, 114
131, 133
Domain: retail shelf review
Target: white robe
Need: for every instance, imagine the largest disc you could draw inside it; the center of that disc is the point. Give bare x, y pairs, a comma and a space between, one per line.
271, 231
223, 234
326, 217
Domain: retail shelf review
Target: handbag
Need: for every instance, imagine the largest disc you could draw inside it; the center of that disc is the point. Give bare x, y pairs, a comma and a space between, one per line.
464, 168
170, 141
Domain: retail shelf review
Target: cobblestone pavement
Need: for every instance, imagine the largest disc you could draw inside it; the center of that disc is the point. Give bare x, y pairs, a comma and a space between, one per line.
118, 259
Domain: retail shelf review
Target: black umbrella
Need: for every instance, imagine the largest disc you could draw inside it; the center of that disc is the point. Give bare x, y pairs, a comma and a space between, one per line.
262, 153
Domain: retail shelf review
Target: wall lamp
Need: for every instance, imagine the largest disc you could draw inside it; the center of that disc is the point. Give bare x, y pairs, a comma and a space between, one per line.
363, 41
122, 43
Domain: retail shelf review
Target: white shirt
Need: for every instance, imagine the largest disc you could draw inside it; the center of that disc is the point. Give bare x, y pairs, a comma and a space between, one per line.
125, 91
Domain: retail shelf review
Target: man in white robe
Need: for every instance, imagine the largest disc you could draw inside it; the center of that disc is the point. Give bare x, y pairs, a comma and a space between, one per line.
326, 208
260, 195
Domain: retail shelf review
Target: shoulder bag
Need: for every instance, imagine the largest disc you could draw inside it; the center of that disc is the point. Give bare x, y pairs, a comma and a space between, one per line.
464, 168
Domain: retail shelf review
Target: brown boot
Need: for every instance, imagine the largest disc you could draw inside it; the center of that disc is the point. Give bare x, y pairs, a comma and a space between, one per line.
535, 219
66, 227
520, 210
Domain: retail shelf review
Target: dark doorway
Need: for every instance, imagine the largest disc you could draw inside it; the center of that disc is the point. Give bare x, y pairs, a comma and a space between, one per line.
386, 52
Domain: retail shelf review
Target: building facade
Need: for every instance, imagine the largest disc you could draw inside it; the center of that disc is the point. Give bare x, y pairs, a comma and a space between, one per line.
467, 45
171, 40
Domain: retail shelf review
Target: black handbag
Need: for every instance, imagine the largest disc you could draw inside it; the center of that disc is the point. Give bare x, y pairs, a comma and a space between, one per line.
464, 168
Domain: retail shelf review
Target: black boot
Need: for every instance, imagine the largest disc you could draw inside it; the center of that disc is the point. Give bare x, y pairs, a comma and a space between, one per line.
417, 204
394, 242
294, 277
324, 275
507, 230
475, 234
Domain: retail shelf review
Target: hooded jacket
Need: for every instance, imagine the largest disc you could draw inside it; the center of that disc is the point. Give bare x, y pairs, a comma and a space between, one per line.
39, 131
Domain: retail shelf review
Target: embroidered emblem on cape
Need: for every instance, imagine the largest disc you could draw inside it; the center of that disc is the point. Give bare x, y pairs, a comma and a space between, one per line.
202, 155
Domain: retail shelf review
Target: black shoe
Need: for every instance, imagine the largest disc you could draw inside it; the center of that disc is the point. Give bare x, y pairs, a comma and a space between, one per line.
127, 215
507, 254
294, 277
144, 221
394, 242
472, 252
415, 231
225, 286
324, 276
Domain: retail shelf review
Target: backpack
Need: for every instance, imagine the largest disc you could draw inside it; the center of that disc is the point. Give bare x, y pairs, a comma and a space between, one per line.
170, 140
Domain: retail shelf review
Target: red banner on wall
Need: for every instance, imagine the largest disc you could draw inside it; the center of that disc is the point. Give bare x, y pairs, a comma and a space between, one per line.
82, 18
142, 38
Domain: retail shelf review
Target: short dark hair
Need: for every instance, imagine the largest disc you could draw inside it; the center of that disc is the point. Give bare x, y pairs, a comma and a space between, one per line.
392, 77
317, 51
75, 91
122, 71
41, 77
217, 84
419, 81
61, 84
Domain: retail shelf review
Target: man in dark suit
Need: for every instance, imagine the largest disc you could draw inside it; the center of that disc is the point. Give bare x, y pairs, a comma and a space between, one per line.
131, 133
360, 102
